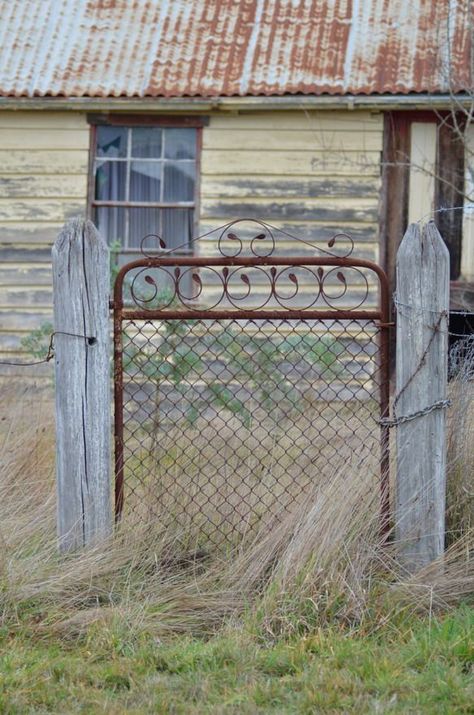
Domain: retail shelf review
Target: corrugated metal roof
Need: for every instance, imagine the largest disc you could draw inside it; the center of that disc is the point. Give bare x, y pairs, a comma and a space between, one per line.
176, 48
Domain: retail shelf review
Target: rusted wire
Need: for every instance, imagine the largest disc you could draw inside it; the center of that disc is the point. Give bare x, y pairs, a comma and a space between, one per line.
50, 352
436, 328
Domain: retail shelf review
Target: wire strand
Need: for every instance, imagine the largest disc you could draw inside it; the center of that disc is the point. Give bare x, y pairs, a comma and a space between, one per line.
91, 340
464, 207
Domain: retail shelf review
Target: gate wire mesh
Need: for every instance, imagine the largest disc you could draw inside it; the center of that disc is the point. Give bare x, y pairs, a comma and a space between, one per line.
230, 421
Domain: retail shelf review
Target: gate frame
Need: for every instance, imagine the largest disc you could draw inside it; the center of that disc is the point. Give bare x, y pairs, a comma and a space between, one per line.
380, 317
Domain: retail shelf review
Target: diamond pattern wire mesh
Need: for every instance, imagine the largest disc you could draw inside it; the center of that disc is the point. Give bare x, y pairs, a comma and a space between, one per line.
228, 421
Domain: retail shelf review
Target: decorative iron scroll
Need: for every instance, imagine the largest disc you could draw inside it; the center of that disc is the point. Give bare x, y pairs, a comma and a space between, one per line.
244, 273
239, 287
261, 244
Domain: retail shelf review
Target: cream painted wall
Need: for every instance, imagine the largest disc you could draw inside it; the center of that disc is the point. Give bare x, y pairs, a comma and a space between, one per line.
467, 256
43, 181
422, 171
313, 174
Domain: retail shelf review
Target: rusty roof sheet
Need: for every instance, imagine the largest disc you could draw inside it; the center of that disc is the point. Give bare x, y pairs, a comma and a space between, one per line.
209, 48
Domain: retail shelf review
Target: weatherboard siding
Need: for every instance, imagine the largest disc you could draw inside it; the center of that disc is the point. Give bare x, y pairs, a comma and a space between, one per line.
312, 174
43, 182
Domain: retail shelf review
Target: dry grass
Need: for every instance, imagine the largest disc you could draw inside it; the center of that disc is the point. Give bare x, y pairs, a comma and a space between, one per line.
460, 490
324, 563
221, 479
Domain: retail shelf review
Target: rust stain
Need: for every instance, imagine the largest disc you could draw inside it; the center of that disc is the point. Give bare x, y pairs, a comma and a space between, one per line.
210, 48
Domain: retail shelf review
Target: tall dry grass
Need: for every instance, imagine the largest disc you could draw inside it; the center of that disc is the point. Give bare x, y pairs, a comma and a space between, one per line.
323, 563
460, 483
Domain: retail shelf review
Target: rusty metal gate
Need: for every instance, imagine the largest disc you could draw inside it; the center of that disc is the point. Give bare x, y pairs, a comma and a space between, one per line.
244, 375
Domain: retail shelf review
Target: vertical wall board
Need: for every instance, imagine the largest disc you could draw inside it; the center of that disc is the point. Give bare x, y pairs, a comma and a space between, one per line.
395, 184
467, 257
422, 170
449, 192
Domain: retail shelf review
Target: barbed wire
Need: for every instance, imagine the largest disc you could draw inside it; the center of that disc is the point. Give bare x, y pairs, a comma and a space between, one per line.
417, 309
436, 328
445, 209
91, 340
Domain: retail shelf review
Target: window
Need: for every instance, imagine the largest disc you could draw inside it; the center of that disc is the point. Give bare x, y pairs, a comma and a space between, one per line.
145, 182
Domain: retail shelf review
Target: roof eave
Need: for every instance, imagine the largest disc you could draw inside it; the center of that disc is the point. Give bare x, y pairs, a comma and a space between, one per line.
248, 103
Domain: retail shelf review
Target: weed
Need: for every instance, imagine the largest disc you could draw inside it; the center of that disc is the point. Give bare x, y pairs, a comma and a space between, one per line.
37, 342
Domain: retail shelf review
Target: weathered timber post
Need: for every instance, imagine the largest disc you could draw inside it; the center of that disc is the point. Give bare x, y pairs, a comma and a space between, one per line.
422, 353
81, 308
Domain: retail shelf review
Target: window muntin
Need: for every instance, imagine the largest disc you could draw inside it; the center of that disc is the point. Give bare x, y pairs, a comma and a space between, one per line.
145, 182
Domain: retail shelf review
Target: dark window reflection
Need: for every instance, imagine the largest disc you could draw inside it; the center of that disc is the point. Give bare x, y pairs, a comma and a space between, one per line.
111, 222
143, 221
146, 165
177, 227
112, 142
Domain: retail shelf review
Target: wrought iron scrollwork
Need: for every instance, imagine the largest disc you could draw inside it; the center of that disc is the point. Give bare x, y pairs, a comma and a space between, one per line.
245, 273
261, 241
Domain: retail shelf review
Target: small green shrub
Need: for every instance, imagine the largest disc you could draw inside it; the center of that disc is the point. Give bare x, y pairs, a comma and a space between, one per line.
256, 367
37, 342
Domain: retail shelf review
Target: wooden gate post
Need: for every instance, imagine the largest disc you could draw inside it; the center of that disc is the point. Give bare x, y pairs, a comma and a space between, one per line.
82, 377
422, 353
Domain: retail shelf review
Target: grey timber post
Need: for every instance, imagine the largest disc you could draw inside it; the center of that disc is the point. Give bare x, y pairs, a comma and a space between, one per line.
422, 301
82, 374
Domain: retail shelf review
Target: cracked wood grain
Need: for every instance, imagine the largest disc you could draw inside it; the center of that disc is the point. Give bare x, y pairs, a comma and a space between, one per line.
422, 358
81, 306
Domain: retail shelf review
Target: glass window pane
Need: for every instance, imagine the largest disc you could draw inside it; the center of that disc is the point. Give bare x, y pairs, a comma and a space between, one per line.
145, 181
142, 222
110, 180
112, 141
146, 142
177, 227
179, 181
111, 223
174, 226
180, 143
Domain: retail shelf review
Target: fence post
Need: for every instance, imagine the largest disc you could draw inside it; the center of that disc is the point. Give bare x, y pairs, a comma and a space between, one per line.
421, 374
81, 308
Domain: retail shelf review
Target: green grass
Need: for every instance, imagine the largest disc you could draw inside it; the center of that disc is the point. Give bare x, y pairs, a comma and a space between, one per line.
422, 666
